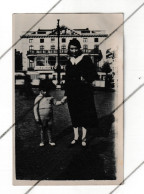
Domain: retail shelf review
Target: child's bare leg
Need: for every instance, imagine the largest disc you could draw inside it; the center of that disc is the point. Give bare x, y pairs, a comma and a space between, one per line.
50, 134
43, 132
42, 136
84, 132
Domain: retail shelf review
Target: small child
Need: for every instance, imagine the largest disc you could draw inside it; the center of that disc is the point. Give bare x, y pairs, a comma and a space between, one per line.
43, 109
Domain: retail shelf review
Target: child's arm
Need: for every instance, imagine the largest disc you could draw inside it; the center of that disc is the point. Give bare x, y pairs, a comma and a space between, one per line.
58, 102
36, 114
64, 99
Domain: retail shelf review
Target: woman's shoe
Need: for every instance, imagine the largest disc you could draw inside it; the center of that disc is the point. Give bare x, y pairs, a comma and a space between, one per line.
74, 141
41, 144
83, 142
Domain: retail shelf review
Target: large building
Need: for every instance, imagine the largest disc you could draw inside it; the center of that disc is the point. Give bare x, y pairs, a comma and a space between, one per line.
40, 49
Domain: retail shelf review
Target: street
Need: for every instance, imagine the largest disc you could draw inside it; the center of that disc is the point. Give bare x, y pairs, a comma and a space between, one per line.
63, 162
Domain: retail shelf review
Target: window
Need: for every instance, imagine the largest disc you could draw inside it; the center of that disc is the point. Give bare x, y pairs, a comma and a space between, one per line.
40, 61
85, 39
54, 77
85, 48
41, 40
42, 47
31, 64
52, 39
63, 48
96, 46
52, 47
30, 40
63, 77
63, 39
95, 39
52, 60
31, 47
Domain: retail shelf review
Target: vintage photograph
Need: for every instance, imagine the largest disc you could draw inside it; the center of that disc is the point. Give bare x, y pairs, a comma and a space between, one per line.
67, 96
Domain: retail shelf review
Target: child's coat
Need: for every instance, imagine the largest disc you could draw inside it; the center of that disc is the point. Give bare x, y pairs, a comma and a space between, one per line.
43, 107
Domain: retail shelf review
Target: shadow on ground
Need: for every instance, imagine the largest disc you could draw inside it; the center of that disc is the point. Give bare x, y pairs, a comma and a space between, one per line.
65, 162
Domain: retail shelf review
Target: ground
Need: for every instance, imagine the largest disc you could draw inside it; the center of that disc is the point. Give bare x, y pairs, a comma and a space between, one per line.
64, 162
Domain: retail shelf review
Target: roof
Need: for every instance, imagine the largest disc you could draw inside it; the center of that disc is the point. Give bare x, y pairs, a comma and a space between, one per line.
64, 32
45, 29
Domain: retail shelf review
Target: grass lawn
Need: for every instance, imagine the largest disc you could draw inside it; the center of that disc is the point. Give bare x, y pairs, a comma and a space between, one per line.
63, 162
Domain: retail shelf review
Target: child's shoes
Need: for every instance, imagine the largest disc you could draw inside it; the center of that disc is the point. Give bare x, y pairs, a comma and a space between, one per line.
41, 144
84, 142
74, 141
52, 143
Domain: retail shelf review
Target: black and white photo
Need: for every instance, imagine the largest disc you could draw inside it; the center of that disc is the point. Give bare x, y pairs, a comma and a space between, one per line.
68, 87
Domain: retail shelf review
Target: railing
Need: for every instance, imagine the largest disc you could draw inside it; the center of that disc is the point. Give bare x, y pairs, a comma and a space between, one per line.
62, 51
86, 50
31, 52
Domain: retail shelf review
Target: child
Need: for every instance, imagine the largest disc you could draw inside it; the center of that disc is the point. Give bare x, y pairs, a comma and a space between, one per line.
43, 109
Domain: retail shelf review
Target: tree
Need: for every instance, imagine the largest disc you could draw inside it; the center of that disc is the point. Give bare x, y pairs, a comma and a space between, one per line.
18, 61
106, 68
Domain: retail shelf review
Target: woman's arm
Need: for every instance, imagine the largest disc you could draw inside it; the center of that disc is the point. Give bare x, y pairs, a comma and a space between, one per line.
89, 70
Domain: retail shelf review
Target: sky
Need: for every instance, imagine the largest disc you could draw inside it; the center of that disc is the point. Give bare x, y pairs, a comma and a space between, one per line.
107, 22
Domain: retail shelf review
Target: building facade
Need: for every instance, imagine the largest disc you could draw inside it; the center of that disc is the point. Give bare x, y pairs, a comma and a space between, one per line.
40, 49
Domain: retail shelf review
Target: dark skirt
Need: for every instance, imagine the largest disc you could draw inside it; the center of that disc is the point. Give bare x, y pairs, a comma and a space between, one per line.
82, 107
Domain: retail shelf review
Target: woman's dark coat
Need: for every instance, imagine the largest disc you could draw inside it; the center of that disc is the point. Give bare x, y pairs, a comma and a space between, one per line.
80, 93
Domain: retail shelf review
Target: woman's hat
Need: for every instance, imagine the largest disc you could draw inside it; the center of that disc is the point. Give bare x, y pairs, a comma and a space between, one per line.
74, 42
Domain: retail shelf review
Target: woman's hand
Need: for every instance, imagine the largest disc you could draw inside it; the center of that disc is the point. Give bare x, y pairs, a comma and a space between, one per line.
64, 99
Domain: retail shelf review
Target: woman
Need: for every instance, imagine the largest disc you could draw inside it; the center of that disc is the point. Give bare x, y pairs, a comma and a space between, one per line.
80, 76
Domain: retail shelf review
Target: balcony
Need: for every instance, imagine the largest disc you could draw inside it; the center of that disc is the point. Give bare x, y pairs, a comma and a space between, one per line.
62, 51
35, 52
